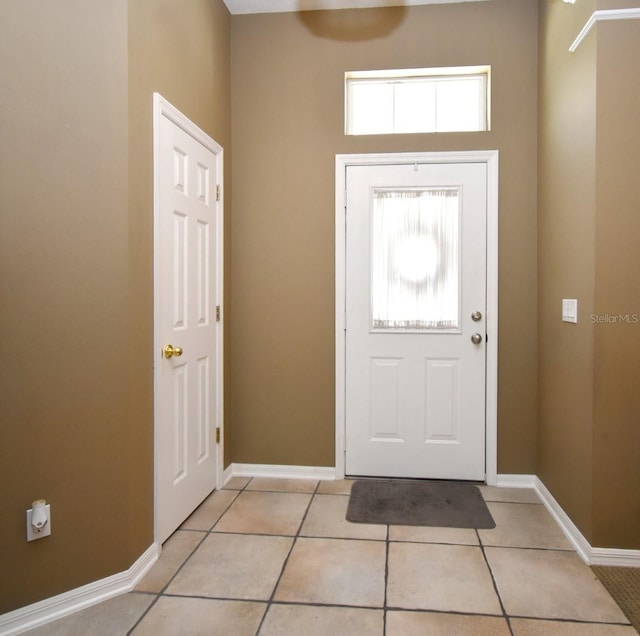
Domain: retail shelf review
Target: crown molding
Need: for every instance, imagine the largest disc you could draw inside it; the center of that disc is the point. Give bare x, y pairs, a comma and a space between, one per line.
603, 14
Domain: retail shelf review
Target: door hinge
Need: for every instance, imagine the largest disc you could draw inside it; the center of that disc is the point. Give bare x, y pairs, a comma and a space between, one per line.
217, 192
217, 435
217, 313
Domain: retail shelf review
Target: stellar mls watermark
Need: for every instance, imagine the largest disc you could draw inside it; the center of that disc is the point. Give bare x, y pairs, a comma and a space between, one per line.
615, 319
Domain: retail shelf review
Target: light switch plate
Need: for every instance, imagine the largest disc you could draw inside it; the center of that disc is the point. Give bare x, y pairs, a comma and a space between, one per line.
570, 310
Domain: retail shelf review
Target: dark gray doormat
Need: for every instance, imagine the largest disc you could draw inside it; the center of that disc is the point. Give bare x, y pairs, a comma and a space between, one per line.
418, 503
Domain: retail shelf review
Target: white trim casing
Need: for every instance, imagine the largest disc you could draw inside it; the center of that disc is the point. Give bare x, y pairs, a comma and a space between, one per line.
163, 108
56, 607
601, 15
491, 159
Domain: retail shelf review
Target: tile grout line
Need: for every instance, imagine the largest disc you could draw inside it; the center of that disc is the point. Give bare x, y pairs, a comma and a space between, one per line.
205, 534
312, 536
286, 560
493, 581
261, 601
419, 610
529, 548
271, 601
161, 592
571, 621
386, 581
141, 617
510, 503
370, 608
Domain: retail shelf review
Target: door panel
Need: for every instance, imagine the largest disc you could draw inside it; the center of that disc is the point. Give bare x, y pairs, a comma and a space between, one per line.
415, 272
384, 398
442, 398
187, 399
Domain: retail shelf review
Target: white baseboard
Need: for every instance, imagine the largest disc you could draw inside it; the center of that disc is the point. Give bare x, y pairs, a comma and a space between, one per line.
51, 609
590, 555
279, 471
571, 531
615, 557
516, 481
227, 474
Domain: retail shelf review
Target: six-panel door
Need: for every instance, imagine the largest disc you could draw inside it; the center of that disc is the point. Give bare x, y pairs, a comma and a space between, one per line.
187, 378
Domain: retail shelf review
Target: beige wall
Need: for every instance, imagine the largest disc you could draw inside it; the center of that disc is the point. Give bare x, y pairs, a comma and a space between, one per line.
616, 440
589, 415
76, 279
287, 90
65, 416
566, 244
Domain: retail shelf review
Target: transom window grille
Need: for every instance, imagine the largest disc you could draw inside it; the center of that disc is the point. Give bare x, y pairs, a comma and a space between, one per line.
417, 100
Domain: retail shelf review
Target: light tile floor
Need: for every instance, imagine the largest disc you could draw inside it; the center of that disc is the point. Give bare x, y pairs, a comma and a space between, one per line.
276, 557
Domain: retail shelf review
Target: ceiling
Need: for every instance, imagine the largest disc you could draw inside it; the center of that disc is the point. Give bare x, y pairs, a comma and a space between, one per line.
237, 7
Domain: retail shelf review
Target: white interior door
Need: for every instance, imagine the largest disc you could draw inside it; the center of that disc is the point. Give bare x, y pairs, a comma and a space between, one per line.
188, 330
415, 320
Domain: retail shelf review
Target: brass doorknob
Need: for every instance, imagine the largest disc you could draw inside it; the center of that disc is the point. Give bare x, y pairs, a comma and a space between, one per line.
170, 351
476, 338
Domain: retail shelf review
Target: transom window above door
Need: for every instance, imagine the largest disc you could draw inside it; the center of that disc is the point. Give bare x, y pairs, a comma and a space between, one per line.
424, 100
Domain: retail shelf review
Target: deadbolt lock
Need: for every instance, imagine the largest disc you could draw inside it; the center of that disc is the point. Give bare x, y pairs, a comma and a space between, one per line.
476, 316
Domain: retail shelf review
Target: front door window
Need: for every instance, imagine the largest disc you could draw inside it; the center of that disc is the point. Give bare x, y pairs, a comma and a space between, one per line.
415, 258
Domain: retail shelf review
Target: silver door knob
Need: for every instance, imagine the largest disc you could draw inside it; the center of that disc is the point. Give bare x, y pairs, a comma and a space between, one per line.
476, 338
476, 316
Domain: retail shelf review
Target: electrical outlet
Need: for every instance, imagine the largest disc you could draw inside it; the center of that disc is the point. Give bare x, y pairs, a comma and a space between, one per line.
45, 531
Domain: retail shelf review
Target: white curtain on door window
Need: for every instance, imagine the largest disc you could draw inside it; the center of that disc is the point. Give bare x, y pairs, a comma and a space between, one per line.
415, 259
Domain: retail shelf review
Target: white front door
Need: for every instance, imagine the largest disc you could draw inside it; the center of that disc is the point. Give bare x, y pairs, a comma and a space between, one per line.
415, 320
188, 333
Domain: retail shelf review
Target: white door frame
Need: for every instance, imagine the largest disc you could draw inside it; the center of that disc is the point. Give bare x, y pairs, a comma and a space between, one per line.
488, 157
162, 108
